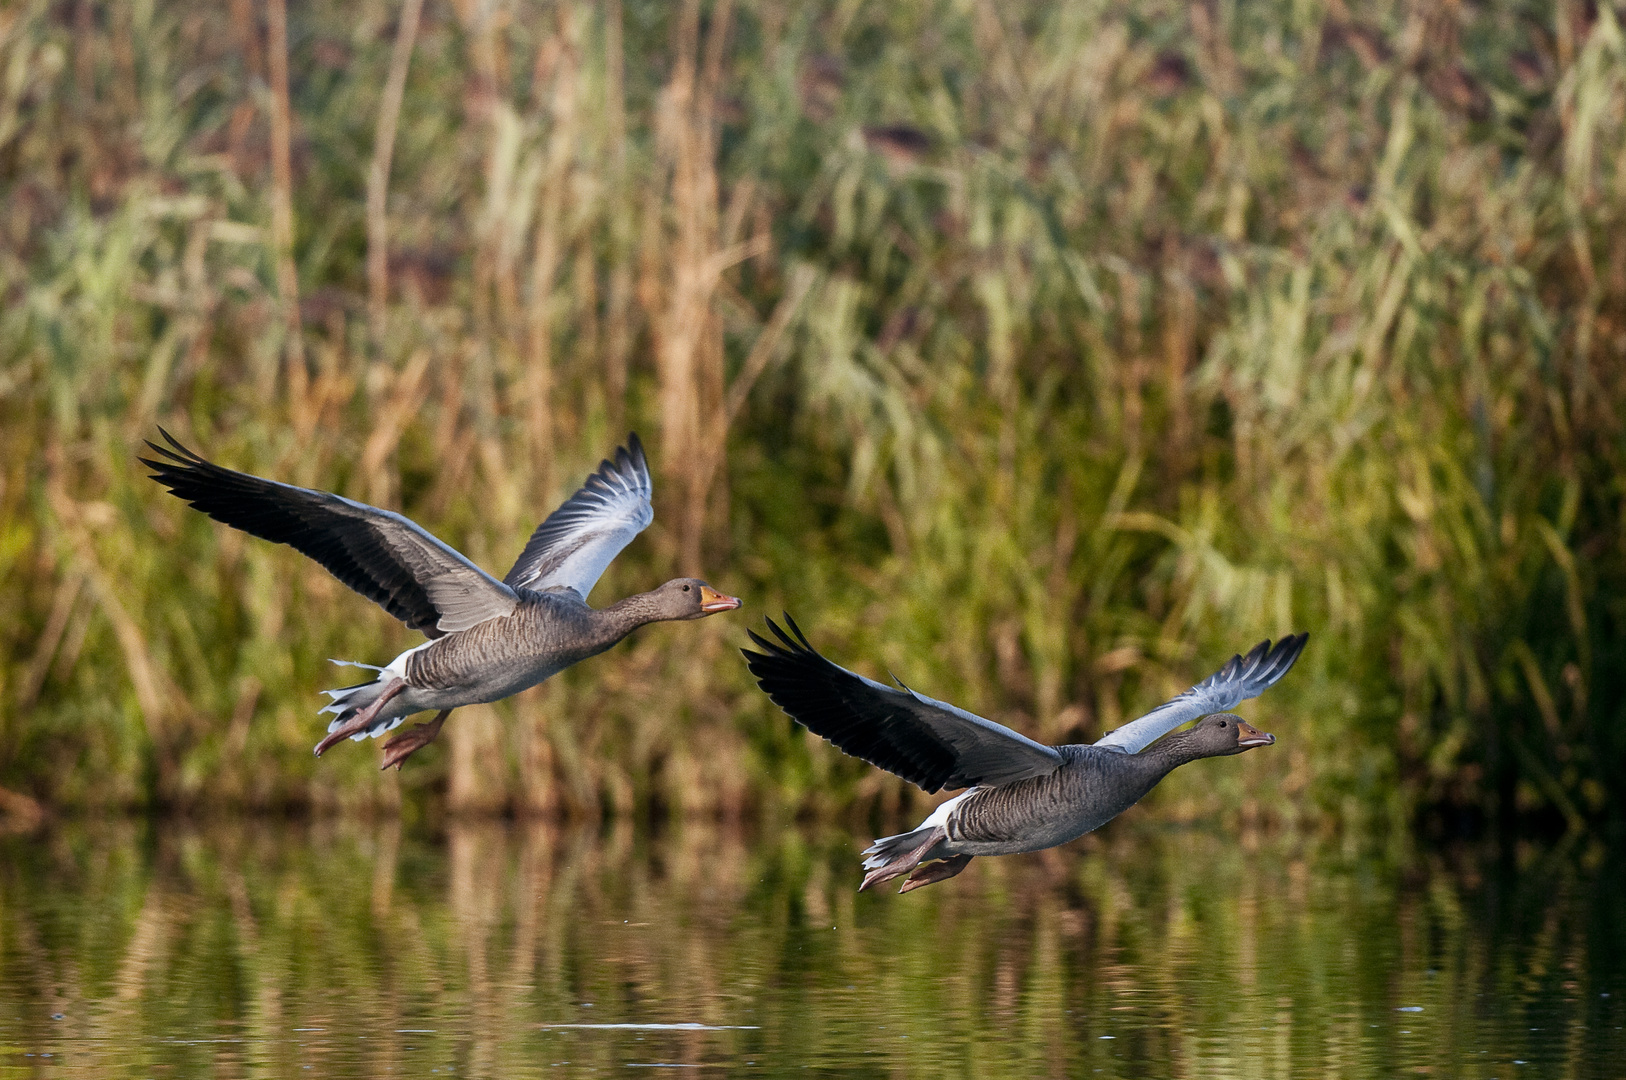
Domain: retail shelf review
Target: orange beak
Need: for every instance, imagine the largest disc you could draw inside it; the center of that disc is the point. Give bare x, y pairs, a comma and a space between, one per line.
712, 601
1248, 736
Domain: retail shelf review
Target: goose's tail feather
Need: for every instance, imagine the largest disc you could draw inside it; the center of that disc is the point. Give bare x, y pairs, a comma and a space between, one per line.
894, 856
348, 701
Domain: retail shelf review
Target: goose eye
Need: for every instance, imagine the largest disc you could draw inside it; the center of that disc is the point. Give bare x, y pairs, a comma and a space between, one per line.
1222, 723
685, 588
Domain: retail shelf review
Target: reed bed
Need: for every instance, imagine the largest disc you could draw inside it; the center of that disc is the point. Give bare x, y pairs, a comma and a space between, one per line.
1045, 354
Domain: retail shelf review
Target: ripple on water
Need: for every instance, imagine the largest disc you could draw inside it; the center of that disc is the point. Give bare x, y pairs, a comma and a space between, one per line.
346, 948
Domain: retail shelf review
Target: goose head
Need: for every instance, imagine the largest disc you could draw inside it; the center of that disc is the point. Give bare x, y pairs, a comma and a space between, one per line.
1225, 733
690, 598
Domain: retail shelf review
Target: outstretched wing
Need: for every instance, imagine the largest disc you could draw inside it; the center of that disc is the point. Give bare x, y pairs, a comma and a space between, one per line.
577, 541
383, 556
1240, 679
929, 743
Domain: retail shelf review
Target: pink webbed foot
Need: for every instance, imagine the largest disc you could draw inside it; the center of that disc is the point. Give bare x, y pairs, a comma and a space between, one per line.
412, 740
935, 872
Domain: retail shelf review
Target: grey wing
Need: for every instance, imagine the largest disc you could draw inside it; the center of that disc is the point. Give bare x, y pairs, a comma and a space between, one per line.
383, 556
577, 541
929, 743
1240, 679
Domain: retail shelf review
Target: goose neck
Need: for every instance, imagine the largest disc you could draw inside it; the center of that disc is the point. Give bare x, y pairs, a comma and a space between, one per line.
1169, 753
627, 615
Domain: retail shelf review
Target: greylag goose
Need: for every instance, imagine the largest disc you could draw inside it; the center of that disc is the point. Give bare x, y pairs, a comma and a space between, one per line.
1022, 795
488, 638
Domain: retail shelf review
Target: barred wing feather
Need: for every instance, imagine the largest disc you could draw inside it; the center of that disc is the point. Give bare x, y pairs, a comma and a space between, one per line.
1243, 677
577, 541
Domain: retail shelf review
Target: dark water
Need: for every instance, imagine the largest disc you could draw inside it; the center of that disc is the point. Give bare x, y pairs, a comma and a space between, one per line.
274, 949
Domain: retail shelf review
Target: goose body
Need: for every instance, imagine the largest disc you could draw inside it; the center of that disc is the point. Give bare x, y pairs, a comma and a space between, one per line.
1089, 788
1021, 795
546, 633
489, 639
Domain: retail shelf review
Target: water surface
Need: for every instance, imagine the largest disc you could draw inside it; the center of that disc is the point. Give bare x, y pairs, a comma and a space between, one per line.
132, 949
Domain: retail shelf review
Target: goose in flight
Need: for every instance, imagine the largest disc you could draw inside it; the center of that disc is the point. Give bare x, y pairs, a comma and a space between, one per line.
1022, 795
488, 638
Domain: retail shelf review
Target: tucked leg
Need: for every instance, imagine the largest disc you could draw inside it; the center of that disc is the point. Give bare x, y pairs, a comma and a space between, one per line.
362, 720
936, 871
411, 740
900, 863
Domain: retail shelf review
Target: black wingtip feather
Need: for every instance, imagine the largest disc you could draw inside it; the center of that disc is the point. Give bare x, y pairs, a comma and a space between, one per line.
838, 706
172, 456
309, 521
797, 644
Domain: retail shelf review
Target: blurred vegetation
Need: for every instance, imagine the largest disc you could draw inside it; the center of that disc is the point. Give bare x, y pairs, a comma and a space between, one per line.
1043, 353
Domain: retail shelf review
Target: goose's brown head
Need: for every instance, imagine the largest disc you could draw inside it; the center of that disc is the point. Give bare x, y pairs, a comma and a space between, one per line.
691, 598
1226, 733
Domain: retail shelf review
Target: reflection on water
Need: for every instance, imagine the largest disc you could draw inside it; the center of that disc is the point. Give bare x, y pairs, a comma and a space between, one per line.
351, 949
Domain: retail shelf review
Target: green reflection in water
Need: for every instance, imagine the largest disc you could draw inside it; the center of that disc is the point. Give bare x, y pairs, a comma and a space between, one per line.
350, 949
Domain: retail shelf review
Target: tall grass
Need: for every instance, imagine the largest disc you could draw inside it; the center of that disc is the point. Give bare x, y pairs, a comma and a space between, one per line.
1043, 353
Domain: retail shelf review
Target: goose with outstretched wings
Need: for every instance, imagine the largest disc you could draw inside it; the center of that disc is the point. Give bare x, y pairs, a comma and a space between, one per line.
1023, 795
488, 638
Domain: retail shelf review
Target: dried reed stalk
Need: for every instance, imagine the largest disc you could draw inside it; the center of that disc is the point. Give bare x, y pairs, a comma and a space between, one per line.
62, 606
618, 303
687, 329
282, 215
406, 397
546, 254
378, 172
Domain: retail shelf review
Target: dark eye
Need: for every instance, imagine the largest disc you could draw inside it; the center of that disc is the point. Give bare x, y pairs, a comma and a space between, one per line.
1222, 723
685, 588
